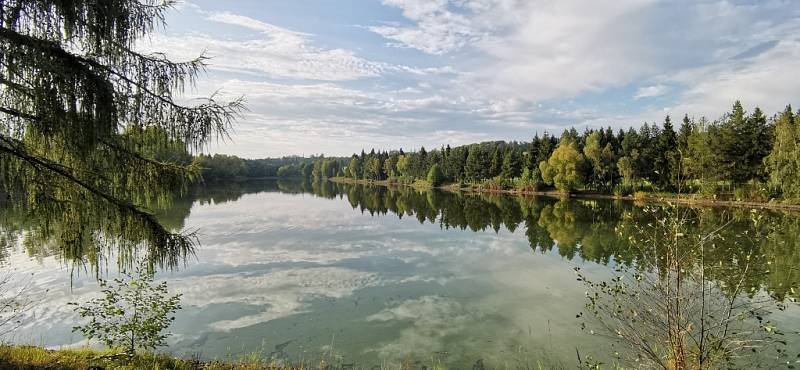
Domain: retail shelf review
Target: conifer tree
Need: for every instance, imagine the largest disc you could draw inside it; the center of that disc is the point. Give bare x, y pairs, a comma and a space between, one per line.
512, 166
664, 155
72, 83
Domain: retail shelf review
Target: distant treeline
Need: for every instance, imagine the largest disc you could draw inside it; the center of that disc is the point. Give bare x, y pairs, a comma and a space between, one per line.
221, 166
741, 155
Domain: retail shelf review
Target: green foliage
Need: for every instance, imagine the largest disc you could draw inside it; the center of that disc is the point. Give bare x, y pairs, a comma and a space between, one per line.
38, 358
354, 169
373, 169
530, 180
323, 168
220, 166
713, 157
156, 144
566, 167
87, 123
292, 171
435, 176
478, 164
701, 159
390, 165
132, 314
512, 164
667, 311
627, 169
403, 166
783, 162
495, 163
601, 159
665, 157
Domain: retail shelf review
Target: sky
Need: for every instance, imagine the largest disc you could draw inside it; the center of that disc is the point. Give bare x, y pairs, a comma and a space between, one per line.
338, 76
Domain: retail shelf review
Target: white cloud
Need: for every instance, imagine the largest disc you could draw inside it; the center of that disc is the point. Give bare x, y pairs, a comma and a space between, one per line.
650, 91
566, 48
491, 63
432, 319
279, 293
437, 29
762, 81
443, 26
277, 55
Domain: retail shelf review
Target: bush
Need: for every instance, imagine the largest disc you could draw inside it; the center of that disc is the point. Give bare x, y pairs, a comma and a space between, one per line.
528, 181
131, 315
496, 183
752, 192
623, 190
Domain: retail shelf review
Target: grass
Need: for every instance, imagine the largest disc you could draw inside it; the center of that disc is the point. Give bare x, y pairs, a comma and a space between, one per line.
38, 358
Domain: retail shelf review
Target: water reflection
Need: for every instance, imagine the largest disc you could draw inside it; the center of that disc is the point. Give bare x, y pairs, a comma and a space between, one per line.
590, 230
409, 275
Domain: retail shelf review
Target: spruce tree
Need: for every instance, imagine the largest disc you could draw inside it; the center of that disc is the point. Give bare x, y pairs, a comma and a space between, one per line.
496, 165
512, 166
664, 155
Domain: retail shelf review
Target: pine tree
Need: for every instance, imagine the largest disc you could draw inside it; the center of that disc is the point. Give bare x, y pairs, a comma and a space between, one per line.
683, 135
730, 143
532, 153
665, 156
755, 145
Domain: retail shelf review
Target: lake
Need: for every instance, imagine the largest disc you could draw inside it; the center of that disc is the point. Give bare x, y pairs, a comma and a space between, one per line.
374, 276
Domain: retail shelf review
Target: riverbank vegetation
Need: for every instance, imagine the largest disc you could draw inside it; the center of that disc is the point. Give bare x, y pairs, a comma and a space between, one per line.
37, 358
741, 156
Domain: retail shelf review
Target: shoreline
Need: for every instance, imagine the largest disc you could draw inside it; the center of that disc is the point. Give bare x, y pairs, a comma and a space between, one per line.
650, 198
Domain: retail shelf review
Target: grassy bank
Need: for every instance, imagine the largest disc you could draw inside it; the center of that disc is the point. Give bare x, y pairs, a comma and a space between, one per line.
37, 358
645, 197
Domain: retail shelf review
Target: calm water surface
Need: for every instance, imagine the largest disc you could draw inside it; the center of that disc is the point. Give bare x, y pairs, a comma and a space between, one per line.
379, 276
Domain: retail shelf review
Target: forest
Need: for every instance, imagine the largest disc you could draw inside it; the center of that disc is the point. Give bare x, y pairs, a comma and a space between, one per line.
740, 156
225, 167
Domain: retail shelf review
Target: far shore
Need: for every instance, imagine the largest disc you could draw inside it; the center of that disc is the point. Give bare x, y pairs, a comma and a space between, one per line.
689, 199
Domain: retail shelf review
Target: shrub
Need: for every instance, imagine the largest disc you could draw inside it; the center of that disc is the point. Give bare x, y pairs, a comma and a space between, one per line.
132, 314
530, 180
752, 192
623, 189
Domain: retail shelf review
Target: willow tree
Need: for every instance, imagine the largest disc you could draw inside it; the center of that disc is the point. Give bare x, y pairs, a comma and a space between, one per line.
72, 81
